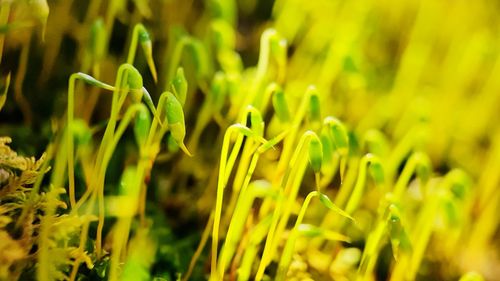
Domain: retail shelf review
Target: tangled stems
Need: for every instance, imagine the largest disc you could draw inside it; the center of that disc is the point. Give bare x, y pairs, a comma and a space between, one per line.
235, 229
241, 207
129, 77
221, 184
290, 187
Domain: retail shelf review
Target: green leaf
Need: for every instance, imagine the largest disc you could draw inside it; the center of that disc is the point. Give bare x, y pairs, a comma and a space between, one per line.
323, 198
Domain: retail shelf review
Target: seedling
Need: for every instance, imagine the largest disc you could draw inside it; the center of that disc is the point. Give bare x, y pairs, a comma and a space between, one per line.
418, 162
141, 36
388, 224
290, 186
221, 184
374, 166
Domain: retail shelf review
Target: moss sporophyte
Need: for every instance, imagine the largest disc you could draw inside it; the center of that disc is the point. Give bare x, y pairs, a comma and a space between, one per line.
249, 140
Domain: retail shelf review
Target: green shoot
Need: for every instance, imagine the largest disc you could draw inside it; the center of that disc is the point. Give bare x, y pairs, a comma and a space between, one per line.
221, 184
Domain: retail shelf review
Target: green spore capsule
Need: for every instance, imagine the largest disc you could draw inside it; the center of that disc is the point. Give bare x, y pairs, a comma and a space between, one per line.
180, 86
134, 79
339, 134
315, 154
460, 183
280, 105
175, 120
314, 107
423, 167
451, 211
142, 124
256, 121
147, 47
397, 234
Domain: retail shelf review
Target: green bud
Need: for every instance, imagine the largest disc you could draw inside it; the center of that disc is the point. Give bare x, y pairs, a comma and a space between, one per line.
134, 79
397, 234
173, 110
460, 183
424, 166
280, 105
450, 207
175, 120
315, 154
180, 86
376, 169
339, 134
314, 105
147, 47
142, 124
256, 121
143, 35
